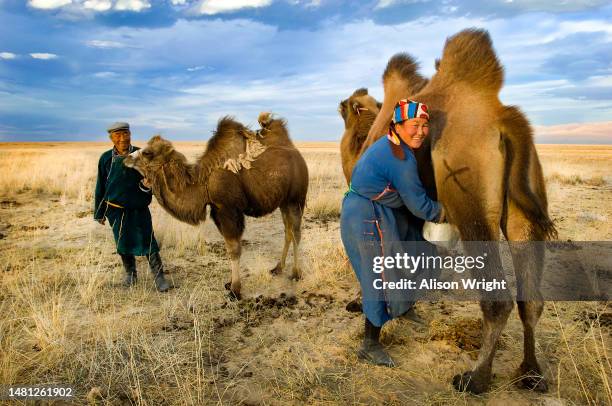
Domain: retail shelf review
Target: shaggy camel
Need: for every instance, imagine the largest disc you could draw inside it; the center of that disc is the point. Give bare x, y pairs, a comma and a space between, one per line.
358, 112
487, 175
278, 178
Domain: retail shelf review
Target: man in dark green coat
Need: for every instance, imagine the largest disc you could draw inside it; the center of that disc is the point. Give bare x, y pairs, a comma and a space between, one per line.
122, 197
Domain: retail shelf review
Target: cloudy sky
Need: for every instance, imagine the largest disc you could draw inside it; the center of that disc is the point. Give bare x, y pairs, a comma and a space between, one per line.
70, 67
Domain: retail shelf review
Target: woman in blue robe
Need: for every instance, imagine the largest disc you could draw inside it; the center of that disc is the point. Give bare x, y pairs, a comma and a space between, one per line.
384, 182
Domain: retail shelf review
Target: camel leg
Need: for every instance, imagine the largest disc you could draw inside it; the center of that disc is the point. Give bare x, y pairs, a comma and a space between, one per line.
495, 313
278, 269
295, 213
231, 225
233, 248
528, 259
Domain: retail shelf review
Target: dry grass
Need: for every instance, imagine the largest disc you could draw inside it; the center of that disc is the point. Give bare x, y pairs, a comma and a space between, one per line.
65, 319
576, 180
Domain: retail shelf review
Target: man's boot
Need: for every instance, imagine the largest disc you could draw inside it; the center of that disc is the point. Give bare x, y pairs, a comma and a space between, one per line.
372, 350
129, 264
157, 268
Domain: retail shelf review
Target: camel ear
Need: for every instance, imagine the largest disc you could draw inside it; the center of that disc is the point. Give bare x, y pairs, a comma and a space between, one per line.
342, 108
437, 64
379, 105
360, 92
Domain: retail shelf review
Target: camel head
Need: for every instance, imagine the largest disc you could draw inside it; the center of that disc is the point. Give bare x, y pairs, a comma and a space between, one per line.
359, 111
153, 156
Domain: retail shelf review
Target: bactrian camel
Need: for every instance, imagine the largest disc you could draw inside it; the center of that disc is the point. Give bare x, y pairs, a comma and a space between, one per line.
278, 178
488, 177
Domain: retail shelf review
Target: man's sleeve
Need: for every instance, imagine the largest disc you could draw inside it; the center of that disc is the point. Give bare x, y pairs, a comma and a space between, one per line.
99, 205
404, 176
143, 188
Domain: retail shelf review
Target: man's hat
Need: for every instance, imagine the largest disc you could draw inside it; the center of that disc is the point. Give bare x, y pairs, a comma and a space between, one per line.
119, 125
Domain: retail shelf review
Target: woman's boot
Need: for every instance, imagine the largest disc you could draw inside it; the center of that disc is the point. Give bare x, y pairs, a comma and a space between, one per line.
372, 350
157, 268
413, 316
129, 264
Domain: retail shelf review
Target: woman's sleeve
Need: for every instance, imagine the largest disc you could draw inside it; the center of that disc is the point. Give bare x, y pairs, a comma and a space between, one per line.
404, 176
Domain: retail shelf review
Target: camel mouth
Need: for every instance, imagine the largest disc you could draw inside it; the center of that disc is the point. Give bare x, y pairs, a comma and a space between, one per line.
130, 160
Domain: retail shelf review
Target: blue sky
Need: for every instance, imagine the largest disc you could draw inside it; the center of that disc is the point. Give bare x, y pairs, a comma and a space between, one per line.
70, 67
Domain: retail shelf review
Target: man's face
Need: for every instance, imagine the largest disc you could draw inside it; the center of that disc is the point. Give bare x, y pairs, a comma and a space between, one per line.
121, 140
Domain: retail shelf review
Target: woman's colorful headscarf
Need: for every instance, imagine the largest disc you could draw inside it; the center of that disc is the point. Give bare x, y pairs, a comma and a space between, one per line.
405, 110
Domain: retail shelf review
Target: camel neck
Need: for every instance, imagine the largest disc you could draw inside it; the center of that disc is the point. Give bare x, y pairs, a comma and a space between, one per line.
179, 192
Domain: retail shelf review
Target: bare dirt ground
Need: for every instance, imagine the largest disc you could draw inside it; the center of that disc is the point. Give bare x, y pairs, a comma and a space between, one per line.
65, 319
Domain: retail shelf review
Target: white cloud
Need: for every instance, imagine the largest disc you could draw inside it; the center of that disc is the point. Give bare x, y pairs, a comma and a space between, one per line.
95, 43
199, 67
7, 55
132, 5
82, 7
105, 75
388, 3
223, 6
48, 4
557, 6
98, 5
43, 55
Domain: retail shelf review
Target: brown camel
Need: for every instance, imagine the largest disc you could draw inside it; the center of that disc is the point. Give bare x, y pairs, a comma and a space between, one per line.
487, 175
358, 112
278, 178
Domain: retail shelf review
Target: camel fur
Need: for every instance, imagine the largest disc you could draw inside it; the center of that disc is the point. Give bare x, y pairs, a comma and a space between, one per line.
277, 178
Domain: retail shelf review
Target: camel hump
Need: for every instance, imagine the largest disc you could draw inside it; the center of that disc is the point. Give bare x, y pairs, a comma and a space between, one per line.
228, 138
469, 56
265, 118
404, 67
228, 123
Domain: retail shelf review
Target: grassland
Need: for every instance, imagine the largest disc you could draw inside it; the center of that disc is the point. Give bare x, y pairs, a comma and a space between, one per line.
64, 317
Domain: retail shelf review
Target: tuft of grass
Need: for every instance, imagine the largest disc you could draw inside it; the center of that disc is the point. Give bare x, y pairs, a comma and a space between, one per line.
324, 207
574, 180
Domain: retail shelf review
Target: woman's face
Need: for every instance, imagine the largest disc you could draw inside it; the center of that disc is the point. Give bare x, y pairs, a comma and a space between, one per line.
413, 131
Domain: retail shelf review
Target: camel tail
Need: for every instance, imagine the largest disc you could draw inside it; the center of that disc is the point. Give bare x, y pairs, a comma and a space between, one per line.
404, 67
469, 57
523, 162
